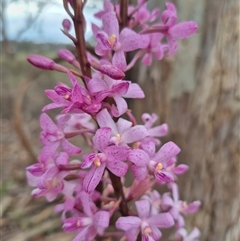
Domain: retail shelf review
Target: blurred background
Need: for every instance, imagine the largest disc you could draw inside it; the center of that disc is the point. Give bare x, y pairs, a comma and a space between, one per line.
196, 92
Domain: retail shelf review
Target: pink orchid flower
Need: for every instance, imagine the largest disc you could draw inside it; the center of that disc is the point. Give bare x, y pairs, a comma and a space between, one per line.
110, 39
109, 157
89, 223
145, 160
147, 224
122, 132
178, 207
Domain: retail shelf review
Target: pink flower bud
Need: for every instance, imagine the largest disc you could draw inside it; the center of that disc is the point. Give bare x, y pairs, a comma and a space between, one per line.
66, 55
66, 24
41, 62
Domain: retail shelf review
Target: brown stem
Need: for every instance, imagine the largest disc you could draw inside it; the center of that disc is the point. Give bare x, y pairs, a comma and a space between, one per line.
70, 167
79, 22
123, 13
99, 189
118, 189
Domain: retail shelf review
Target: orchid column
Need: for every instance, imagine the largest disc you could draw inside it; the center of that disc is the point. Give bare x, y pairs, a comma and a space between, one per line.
93, 184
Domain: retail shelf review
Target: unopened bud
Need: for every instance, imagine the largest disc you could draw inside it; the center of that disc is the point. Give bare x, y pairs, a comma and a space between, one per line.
66, 23
42, 62
66, 55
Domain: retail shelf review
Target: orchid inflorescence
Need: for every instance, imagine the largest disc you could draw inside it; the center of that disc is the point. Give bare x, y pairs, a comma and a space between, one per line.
95, 196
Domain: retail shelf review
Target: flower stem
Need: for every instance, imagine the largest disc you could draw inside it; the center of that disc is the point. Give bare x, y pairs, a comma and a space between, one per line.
79, 23
118, 189
123, 13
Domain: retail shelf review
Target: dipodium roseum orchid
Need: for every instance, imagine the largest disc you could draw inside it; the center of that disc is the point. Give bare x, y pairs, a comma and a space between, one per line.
177, 207
96, 188
145, 223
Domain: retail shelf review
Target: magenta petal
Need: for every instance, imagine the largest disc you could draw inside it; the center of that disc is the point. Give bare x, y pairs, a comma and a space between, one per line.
194, 234
139, 172
96, 85
166, 201
95, 29
85, 200
193, 207
118, 168
62, 121
166, 152
123, 125
135, 133
149, 147
143, 208
139, 157
183, 30
52, 95
147, 59
128, 223
134, 91
47, 123
62, 159
101, 138
104, 119
110, 23
180, 169
103, 38
164, 176
119, 153
175, 192
159, 131
101, 219
54, 106
119, 60
93, 177
173, 46
161, 220
156, 233
48, 151
88, 160
70, 148
112, 71
131, 41
121, 106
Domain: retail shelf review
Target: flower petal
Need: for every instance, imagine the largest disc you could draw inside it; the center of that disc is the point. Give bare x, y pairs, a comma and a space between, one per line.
101, 138
161, 220
166, 152
47, 124
143, 208
128, 223
134, 91
104, 119
110, 23
159, 131
117, 153
139, 157
119, 60
118, 168
180, 169
101, 219
93, 177
70, 148
183, 30
121, 107
131, 41
135, 133
149, 147
139, 172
